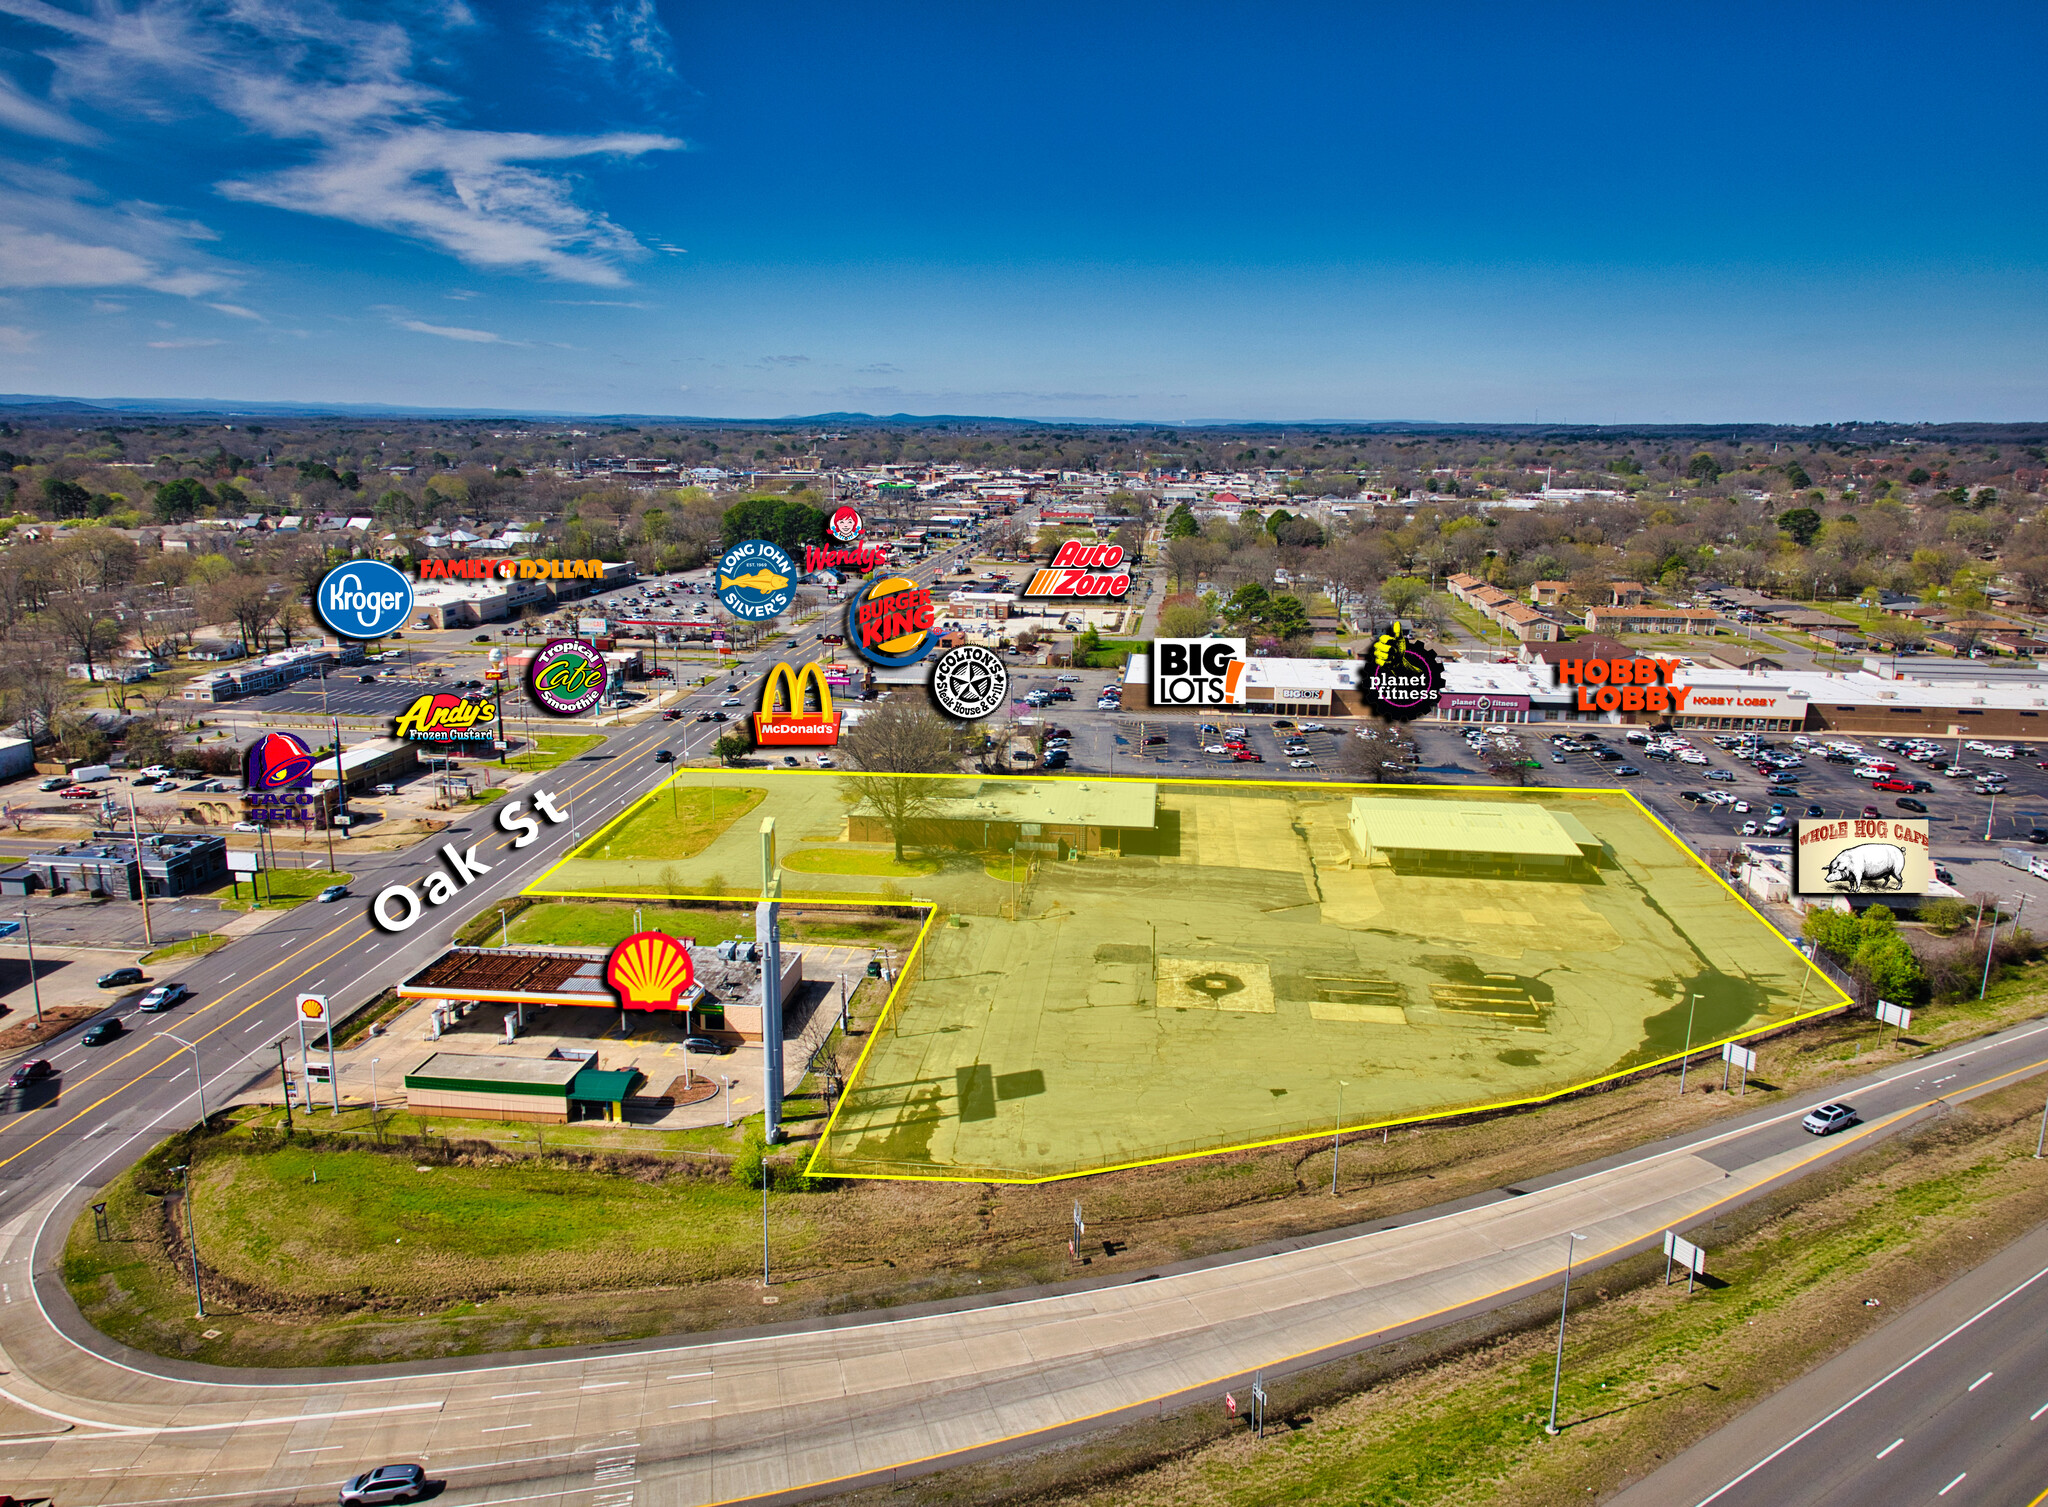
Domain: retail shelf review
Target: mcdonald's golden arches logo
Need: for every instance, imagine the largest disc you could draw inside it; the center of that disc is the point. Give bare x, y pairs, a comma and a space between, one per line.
818, 729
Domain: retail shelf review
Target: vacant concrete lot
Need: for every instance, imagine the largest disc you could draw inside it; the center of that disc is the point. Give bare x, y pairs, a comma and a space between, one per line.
1250, 972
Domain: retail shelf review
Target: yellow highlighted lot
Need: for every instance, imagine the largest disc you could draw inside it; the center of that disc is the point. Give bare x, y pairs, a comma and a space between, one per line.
1179, 967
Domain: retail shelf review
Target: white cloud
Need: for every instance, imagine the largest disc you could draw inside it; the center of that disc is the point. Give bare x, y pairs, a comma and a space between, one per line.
238, 311
454, 332
626, 35
182, 345
52, 235
19, 111
377, 144
15, 341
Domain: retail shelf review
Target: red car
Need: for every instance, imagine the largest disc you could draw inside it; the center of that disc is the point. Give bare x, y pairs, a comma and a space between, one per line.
1246, 756
79, 793
1904, 786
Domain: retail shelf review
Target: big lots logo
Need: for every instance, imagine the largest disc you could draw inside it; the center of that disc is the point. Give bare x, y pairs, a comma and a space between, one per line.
1626, 685
1198, 671
1082, 570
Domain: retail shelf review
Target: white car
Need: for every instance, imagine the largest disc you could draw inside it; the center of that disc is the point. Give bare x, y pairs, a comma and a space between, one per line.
1749, 829
1301, 763
1978, 746
2000, 753
732, 701
825, 762
1688, 756
1065, 679
1312, 727
1214, 748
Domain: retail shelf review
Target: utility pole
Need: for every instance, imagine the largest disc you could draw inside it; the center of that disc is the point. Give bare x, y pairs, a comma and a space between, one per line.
284, 1080
35, 984
141, 877
1337, 1135
1691, 1001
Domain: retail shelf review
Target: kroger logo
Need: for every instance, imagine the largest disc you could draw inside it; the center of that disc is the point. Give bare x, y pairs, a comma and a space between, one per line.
365, 600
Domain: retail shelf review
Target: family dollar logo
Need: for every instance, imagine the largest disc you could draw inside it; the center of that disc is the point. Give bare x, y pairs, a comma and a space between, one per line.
567, 677
755, 580
1081, 570
819, 729
891, 621
1402, 678
1198, 671
444, 718
435, 569
1624, 685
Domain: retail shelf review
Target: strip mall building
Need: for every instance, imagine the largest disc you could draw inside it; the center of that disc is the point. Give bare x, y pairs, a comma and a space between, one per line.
1871, 701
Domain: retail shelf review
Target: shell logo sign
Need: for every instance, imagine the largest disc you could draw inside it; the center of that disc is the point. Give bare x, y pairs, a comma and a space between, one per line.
312, 1008
650, 970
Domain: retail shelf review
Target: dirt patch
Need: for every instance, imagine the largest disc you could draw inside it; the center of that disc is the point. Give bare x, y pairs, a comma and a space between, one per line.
57, 1019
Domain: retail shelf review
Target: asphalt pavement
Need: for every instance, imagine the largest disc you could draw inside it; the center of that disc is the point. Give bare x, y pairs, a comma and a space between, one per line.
1948, 1403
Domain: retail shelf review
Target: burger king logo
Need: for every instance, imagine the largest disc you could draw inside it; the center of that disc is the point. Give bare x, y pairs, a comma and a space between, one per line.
890, 621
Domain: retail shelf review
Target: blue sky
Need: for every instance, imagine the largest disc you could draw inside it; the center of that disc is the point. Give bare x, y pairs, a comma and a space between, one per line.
1584, 212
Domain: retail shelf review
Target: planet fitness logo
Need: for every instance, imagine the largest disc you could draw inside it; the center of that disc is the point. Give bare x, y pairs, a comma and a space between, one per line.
891, 621
277, 761
756, 580
846, 525
367, 599
567, 677
1402, 679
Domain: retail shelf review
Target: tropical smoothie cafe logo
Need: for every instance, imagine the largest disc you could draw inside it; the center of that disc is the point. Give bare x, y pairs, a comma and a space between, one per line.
567, 677
441, 717
1402, 678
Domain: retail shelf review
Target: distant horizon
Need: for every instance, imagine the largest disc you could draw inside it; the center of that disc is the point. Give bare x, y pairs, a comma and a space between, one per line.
26, 404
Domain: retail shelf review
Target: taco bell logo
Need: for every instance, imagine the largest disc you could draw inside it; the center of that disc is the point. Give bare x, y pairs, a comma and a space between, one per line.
367, 599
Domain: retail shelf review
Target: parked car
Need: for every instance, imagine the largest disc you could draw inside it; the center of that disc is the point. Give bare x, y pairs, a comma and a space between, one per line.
120, 978
1890, 784
1829, 1118
387, 1483
1625, 771
1246, 756
79, 793
709, 1044
1153, 740
101, 1032
163, 997
248, 827
1907, 803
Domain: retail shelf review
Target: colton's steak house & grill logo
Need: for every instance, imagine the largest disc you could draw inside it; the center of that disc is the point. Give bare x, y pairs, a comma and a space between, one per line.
1624, 685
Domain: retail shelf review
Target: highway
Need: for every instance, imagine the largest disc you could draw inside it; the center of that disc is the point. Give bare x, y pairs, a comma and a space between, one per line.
1946, 1404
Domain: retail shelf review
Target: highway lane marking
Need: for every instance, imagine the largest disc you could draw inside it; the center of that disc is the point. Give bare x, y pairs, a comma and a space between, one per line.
505, 1428
2032, 1417
1952, 1485
1896, 1371
1889, 1448
707, 1402
599, 1386
1981, 1380
508, 1396
688, 1375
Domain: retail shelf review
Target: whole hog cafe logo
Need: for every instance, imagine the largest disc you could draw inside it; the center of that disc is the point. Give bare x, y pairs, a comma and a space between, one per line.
567, 677
891, 618
440, 717
1081, 570
1402, 678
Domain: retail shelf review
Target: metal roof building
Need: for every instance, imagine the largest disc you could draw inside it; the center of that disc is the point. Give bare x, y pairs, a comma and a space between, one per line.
1494, 838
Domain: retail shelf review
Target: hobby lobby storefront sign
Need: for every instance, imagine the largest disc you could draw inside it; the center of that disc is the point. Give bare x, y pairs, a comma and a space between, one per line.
1624, 685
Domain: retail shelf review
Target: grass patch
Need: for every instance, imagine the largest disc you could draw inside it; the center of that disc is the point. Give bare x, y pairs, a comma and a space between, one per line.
191, 947
602, 923
282, 888
832, 861
1011, 870
547, 752
680, 822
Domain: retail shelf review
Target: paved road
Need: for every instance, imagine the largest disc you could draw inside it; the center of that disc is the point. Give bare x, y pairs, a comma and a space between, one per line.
734, 1416
1946, 1404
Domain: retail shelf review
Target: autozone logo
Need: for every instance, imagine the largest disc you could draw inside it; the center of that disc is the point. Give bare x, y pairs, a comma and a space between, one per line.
1198, 671
1082, 570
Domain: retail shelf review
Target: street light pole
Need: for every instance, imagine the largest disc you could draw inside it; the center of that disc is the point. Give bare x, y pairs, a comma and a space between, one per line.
1691, 1002
1557, 1373
1337, 1136
196, 1078
191, 1239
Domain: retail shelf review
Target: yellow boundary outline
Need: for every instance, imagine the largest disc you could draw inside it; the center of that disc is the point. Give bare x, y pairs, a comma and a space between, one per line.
812, 1169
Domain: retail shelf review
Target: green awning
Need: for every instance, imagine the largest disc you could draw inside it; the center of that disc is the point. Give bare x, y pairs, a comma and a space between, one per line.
604, 1085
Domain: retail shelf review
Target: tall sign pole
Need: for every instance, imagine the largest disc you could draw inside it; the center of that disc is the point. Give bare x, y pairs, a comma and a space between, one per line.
768, 936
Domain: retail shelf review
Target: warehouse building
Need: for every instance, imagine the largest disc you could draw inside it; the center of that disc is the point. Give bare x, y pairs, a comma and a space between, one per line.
167, 867
1473, 839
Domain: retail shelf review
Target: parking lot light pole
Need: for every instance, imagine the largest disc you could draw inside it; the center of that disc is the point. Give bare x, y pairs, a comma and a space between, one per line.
1337, 1135
35, 984
1557, 1373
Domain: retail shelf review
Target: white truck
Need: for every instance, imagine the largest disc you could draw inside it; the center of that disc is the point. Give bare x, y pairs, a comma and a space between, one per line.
2026, 860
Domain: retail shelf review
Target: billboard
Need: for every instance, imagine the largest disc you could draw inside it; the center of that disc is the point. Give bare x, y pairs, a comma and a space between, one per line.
1862, 856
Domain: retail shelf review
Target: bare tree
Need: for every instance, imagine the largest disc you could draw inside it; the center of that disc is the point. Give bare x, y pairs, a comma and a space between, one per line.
899, 743
290, 615
246, 602
33, 685
1384, 758
83, 624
